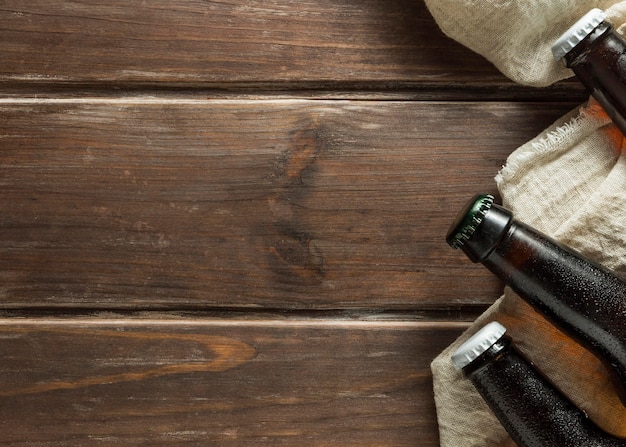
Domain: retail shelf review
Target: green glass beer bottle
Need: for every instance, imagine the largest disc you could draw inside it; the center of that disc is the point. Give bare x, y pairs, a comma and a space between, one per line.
529, 407
584, 299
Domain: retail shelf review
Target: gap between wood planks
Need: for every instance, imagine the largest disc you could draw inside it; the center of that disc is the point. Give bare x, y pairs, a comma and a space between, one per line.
462, 315
311, 323
566, 91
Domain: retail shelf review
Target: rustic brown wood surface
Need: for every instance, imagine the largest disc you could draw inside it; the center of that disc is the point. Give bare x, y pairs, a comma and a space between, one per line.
222, 223
277, 204
236, 41
339, 46
227, 383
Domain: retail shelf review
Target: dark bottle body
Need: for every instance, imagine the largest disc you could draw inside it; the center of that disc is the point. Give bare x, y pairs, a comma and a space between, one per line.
586, 300
531, 409
582, 298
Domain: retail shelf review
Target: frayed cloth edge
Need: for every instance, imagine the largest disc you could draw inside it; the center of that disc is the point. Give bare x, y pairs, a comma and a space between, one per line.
559, 136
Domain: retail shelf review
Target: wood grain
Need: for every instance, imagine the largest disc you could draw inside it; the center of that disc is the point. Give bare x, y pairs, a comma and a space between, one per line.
262, 43
183, 182
212, 382
275, 204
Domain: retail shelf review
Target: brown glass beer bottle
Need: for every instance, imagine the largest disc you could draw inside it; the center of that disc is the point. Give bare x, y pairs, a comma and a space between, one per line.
597, 55
584, 299
529, 407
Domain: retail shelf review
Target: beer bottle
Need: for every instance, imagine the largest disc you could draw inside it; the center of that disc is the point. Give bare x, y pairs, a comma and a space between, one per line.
529, 407
584, 299
597, 55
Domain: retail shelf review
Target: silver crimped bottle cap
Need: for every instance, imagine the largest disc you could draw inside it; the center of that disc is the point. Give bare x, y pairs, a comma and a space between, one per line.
577, 32
477, 344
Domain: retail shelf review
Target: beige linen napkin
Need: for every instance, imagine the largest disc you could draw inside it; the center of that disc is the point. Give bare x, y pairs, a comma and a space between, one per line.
569, 182
516, 35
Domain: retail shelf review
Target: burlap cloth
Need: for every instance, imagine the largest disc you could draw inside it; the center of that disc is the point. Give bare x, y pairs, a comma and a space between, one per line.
569, 182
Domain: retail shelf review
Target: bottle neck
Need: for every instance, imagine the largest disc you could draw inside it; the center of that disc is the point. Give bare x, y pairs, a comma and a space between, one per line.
499, 348
599, 63
576, 55
531, 409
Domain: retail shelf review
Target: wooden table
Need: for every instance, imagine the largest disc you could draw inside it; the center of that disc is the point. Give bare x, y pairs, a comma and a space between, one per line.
222, 222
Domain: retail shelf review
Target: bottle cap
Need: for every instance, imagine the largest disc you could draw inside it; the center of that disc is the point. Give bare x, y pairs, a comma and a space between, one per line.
477, 344
479, 227
468, 220
577, 32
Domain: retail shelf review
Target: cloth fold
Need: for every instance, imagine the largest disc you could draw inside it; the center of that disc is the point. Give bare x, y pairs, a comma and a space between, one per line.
517, 36
568, 182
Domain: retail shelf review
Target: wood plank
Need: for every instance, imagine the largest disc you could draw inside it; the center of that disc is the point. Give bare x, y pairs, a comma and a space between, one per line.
275, 204
236, 42
175, 382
